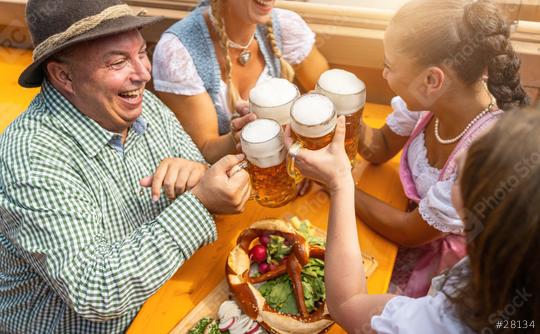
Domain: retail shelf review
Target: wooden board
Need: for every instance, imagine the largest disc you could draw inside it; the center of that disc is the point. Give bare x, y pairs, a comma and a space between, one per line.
209, 306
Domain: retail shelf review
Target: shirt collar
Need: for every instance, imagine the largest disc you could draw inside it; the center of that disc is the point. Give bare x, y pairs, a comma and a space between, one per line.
138, 128
88, 134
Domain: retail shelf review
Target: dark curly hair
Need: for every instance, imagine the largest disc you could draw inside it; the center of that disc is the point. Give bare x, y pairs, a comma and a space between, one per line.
468, 37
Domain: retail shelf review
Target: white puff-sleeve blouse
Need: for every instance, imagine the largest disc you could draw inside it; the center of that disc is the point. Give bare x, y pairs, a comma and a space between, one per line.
435, 205
174, 70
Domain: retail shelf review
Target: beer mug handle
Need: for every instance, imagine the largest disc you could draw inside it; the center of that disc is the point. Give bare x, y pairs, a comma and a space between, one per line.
291, 170
242, 165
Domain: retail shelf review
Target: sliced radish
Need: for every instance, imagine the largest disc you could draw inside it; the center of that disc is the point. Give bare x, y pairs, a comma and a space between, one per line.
228, 325
254, 329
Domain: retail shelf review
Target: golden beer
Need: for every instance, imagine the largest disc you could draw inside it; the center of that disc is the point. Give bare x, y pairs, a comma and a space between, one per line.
313, 124
352, 135
262, 143
272, 99
348, 93
273, 186
315, 143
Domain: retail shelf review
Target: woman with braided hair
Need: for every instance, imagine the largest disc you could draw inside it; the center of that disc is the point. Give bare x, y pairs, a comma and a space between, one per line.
206, 64
437, 57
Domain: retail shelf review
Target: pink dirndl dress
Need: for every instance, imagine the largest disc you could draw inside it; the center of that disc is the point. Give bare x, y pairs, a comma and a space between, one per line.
415, 267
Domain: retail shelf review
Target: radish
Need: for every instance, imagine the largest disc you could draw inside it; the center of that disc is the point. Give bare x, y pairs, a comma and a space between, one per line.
253, 330
264, 267
258, 253
227, 326
264, 239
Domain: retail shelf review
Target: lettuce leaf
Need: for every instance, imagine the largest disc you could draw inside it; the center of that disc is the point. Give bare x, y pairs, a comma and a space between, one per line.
277, 250
279, 293
201, 326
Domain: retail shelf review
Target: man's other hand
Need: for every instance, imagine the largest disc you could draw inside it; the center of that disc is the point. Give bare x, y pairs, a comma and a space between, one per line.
221, 193
175, 176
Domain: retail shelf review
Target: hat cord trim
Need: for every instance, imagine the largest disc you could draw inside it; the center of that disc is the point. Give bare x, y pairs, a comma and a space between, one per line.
80, 27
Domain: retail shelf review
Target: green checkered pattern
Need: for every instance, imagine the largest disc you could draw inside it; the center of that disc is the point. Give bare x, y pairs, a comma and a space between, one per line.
82, 245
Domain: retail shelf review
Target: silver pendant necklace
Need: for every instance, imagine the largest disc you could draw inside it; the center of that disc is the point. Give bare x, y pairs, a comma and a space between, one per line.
245, 55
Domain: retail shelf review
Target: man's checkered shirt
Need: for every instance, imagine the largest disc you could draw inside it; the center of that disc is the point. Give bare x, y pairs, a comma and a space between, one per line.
82, 245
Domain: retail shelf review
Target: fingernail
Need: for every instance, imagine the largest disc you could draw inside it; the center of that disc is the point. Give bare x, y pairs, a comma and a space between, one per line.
240, 156
155, 198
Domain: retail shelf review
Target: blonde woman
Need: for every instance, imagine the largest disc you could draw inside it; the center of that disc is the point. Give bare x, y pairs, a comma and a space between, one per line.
206, 64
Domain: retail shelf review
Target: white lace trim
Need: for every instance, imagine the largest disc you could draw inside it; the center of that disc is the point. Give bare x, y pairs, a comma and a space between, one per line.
419, 147
438, 220
436, 206
402, 121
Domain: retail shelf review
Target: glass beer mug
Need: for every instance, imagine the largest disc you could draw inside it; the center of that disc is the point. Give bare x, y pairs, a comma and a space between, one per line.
262, 143
313, 124
272, 99
348, 93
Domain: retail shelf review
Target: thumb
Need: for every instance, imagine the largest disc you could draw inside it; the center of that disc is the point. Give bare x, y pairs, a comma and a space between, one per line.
146, 181
339, 136
242, 108
240, 122
227, 162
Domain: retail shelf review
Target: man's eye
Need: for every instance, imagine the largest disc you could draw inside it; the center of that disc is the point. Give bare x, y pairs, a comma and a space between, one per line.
118, 64
143, 54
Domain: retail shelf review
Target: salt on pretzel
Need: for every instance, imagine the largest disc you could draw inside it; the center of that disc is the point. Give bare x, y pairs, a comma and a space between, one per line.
251, 300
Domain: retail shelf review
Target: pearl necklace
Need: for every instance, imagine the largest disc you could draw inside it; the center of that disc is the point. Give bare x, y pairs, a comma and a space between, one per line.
458, 137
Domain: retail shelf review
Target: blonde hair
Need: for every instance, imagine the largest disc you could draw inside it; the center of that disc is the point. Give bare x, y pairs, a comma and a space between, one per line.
287, 72
466, 36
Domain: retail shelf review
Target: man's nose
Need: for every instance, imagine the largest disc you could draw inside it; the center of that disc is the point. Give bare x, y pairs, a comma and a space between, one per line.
141, 71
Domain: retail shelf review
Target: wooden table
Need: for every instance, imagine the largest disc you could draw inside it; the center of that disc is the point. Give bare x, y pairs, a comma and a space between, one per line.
199, 275
205, 270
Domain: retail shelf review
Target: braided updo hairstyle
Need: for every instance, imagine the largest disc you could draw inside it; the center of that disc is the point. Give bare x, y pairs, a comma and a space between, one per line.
468, 37
287, 71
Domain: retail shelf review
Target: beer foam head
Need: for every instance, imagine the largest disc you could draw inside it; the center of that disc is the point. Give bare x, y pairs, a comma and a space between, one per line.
262, 143
272, 99
273, 92
344, 89
313, 115
341, 82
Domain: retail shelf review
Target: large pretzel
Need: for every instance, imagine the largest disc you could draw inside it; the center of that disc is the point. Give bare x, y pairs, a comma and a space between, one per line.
251, 300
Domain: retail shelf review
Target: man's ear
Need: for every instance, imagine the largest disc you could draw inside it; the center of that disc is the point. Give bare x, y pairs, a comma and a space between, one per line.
59, 73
